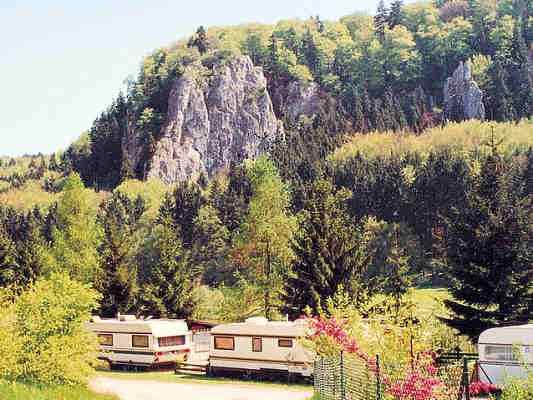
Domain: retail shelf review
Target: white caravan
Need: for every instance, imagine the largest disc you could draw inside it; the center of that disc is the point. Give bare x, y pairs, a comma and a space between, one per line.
505, 352
260, 345
126, 340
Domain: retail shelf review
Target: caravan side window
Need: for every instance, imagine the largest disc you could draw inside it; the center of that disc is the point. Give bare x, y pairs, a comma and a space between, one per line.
139, 341
105, 339
257, 344
224, 343
284, 342
499, 352
171, 341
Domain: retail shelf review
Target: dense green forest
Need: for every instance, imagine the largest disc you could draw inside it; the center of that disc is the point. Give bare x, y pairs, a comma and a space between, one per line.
379, 193
383, 213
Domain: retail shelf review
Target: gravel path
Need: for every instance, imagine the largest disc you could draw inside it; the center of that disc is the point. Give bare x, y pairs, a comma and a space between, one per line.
152, 390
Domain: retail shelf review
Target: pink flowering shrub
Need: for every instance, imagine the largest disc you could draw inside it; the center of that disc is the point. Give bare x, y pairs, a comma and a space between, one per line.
481, 388
417, 382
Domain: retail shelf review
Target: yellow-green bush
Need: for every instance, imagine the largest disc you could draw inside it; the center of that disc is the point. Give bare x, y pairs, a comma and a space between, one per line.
152, 192
394, 334
42, 334
10, 342
518, 388
465, 137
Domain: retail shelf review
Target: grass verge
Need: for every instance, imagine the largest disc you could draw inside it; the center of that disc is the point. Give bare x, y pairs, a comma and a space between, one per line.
23, 391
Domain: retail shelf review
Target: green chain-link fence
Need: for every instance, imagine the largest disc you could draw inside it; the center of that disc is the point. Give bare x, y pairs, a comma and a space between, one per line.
348, 377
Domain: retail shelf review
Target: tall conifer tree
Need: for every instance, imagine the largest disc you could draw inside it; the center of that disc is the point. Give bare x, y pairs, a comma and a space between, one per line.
330, 251
489, 253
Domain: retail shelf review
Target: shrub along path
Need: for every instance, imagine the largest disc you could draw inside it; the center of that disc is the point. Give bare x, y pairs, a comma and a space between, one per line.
142, 389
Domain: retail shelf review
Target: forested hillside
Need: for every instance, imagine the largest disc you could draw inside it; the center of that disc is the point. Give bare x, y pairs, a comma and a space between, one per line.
264, 169
361, 73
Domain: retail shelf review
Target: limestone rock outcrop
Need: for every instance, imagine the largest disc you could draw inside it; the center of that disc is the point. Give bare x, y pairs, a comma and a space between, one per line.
211, 123
302, 99
463, 99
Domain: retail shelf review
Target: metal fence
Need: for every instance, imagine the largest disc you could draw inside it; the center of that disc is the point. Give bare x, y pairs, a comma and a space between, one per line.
347, 377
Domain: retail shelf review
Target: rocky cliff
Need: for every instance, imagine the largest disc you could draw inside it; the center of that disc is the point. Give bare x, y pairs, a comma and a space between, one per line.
463, 99
211, 123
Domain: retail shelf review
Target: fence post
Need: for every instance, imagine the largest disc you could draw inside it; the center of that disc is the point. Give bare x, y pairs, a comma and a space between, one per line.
343, 389
466, 383
378, 379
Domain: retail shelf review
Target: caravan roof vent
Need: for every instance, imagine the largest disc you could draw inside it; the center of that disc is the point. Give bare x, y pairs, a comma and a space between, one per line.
256, 320
127, 317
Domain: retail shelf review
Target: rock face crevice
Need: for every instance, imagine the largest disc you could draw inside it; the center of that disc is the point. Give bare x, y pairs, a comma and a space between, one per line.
211, 123
463, 99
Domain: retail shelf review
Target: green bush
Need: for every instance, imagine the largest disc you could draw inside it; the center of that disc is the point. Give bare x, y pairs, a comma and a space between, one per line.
518, 389
10, 342
42, 334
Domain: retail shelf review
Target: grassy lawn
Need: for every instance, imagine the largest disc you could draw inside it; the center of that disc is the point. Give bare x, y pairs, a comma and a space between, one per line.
21, 391
170, 376
429, 301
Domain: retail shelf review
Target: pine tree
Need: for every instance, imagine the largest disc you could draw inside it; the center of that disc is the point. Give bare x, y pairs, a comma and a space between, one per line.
520, 84
489, 256
367, 105
395, 16
398, 279
200, 40
211, 247
168, 278
478, 15
311, 55
9, 268
182, 208
499, 99
233, 203
378, 115
52, 165
390, 112
330, 251
274, 64
120, 219
357, 112
319, 24
380, 20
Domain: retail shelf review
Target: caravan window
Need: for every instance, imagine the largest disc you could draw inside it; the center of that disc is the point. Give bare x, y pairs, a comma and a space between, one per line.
105, 339
224, 343
257, 344
171, 341
139, 341
284, 342
499, 352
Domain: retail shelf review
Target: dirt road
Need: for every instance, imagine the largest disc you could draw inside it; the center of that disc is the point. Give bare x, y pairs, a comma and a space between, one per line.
152, 390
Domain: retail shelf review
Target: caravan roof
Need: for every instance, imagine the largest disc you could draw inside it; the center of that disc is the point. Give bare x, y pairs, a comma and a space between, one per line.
156, 327
262, 327
519, 334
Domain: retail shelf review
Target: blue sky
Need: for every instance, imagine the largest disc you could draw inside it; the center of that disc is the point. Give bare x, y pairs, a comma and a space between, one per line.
62, 62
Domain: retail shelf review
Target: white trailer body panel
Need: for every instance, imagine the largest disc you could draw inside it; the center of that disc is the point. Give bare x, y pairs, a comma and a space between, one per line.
258, 344
505, 352
141, 342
